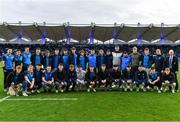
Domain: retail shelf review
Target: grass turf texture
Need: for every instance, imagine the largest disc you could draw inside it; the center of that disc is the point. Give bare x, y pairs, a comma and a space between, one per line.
114, 105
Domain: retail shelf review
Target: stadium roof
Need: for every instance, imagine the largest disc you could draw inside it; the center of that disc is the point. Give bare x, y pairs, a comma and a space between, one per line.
82, 32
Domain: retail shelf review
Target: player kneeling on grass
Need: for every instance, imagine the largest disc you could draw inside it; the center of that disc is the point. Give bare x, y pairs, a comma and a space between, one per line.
127, 78
168, 80
154, 79
28, 83
80, 77
103, 76
60, 77
91, 79
15, 78
141, 79
115, 76
48, 79
38, 77
71, 78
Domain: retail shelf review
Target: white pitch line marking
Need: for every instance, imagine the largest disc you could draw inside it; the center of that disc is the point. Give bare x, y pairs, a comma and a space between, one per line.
42, 99
5, 98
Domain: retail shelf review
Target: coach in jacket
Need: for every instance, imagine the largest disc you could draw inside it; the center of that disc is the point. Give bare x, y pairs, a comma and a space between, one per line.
172, 62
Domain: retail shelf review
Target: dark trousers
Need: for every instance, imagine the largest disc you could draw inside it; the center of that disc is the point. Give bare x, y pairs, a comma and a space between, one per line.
158, 84
116, 82
69, 83
134, 69
25, 66
26, 86
38, 84
6, 82
106, 84
93, 85
177, 84
58, 84
141, 82
176, 80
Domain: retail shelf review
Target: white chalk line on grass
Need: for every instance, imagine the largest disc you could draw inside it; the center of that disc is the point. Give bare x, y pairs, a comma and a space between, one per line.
37, 99
5, 98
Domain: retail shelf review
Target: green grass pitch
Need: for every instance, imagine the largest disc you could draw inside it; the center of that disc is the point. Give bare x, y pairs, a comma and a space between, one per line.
100, 106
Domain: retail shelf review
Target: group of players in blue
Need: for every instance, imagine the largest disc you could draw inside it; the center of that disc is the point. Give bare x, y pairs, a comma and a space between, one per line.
70, 70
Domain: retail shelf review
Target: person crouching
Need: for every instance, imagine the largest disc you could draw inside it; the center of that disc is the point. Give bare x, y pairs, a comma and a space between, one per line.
71, 78
29, 80
48, 79
91, 79
168, 80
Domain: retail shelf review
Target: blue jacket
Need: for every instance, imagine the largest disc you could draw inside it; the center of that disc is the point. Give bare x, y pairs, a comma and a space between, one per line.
92, 60
147, 61
82, 60
141, 77
125, 61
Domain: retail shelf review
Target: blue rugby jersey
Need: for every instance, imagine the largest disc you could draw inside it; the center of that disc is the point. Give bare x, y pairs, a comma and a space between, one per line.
146, 61
55, 61
65, 61
27, 58
47, 62
154, 76
37, 60
8, 61
82, 62
29, 75
48, 75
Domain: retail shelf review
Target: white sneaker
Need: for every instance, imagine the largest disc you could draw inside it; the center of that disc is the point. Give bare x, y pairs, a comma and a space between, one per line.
144, 89
8, 93
165, 90
173, 91
24, 94
70, 86
113, 86
17, 95
38, 91
131, 89
137, 89
32, 91
157, 88
56, 91
148, 88
159, 91
94, 90
88, 90
62, 90
125, 89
